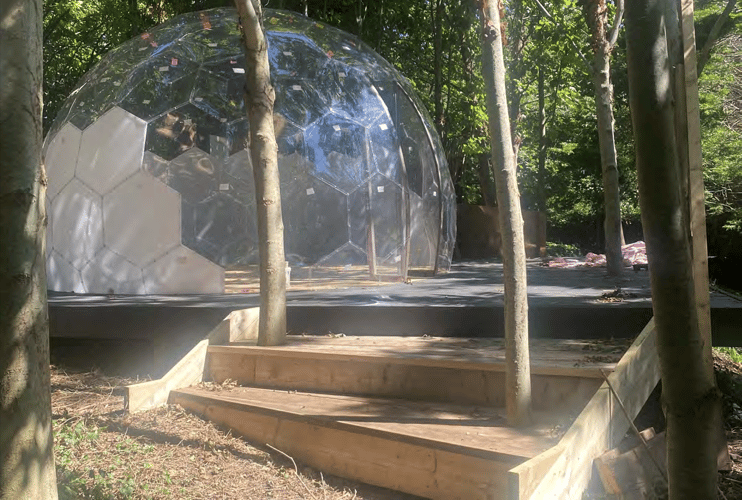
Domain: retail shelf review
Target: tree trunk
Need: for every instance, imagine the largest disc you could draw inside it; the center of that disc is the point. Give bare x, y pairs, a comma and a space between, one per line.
486, 184
26, 443
437, 18
541, 186
690, 397
518, 378
596, 14
259, 98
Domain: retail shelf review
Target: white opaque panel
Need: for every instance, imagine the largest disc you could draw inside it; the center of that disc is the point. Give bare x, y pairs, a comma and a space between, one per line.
61, 158
183, 271
111, 149
77, 215
62, 276
109, 272
142, 219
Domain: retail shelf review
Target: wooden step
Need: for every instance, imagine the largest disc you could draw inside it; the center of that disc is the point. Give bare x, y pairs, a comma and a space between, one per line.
438, 451
461, 371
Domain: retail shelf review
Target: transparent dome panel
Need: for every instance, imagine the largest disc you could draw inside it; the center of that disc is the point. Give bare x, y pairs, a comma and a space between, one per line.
311, 209
336, 150
151, 180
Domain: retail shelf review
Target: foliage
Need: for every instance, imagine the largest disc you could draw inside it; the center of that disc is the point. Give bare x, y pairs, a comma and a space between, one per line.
734, 353
78, 33
561, 250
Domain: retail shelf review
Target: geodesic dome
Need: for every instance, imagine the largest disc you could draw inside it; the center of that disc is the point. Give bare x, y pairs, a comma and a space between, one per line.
150, 182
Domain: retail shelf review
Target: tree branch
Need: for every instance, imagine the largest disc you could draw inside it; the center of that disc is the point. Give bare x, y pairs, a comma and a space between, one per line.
613, 36
705, 54
566, 34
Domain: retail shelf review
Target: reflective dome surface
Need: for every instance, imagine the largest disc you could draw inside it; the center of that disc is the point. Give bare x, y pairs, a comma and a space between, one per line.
150, 181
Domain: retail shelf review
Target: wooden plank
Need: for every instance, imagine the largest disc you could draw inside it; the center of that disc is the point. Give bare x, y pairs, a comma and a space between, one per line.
523, 478
188, 371
319, 430
579, 365
412, 378
695, 167
597, 429
238, 325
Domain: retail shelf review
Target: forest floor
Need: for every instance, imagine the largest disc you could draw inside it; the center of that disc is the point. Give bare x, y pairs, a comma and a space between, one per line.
168, 453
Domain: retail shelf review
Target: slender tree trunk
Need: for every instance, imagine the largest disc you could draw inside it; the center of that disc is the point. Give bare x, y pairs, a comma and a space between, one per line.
437, 18
690, 396
541, 188
26, 443
705, 54
518, 377
596, 15
486, 183
259, 98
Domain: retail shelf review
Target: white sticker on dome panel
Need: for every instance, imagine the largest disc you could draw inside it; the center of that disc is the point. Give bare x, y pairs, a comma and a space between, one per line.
336, 127
397, 258
239, 70
198, 99
287, 53
380, 189
223, 187
146, 101
341, 74
383, 126
164, 68
310, 191
212, 44
296, 87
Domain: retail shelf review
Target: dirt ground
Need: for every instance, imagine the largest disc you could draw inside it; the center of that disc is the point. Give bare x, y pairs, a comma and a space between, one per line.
168, 453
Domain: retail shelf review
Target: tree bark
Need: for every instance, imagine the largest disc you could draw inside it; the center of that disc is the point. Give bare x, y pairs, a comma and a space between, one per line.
541, 187
596, 15
518, 377
486, 184
26, 443
690, 396
259, 98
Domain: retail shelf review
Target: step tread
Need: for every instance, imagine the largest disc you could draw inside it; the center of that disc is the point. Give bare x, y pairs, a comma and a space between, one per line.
548, 356
473, 430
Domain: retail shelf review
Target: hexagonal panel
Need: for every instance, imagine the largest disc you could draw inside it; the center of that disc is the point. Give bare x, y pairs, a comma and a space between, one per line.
77, 215
142, 219
194, 174
337, 151
315, 219
111, 150
293, 54
108, 272
299, 101
164, 80
61, 276
222, 229
384, 149
61, 158
219, 90
183, 271
181, 129
351, 95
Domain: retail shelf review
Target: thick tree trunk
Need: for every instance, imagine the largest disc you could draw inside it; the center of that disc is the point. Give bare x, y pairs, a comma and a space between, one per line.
690, 396
26, 444
518, 377
596, 14
259, 98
